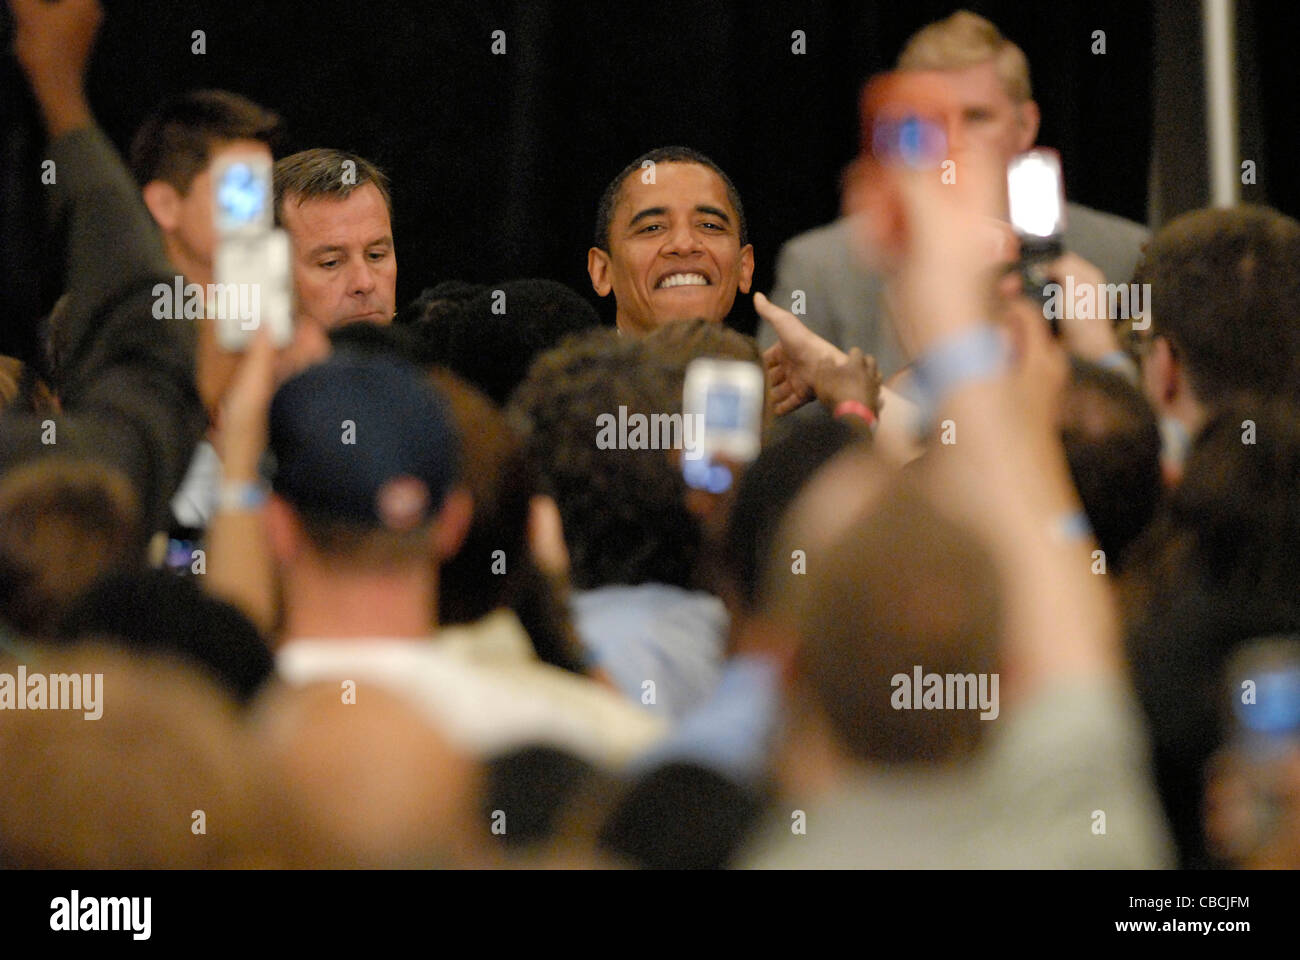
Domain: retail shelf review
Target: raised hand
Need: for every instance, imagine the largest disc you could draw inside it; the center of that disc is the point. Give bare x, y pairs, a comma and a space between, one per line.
792, 361
53, 42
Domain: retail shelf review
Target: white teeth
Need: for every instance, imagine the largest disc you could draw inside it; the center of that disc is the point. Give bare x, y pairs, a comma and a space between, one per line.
683, 280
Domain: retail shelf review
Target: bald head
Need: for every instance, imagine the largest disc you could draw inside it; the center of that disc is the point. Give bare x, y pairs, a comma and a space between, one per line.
368, 783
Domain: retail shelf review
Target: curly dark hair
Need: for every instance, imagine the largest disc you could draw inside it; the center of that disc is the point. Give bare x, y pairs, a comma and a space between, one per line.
624, 511
491, 333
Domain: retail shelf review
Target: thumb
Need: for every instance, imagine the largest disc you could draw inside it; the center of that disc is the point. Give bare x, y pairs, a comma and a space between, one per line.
785, 323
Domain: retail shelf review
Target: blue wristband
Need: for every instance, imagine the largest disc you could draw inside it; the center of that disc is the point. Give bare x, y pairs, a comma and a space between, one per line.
240, 497
1121, 363
977, 354
1071, 526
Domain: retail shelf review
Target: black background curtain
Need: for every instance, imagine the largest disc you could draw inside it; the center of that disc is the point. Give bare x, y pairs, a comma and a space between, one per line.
497, 162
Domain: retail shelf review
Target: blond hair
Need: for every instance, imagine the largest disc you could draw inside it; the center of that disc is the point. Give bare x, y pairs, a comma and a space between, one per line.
965, 40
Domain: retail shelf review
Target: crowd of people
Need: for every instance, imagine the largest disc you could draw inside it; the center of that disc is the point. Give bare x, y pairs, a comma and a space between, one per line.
991, 594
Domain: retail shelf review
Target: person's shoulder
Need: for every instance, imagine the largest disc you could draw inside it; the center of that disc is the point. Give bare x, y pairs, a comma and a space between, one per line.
829, 236
1100, 222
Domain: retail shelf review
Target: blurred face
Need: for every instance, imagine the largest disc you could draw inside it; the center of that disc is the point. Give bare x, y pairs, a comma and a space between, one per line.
190, 240
344, 263
674, 250
989, 119
186, 219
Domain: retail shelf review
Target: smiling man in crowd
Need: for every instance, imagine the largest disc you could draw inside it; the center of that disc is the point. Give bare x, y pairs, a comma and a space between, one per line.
671, 241
338, 212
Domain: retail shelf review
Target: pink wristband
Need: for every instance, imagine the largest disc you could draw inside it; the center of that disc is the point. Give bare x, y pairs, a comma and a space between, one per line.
854, 408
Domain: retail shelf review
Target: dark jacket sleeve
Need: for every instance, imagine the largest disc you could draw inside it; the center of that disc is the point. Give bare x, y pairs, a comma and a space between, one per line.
125, 378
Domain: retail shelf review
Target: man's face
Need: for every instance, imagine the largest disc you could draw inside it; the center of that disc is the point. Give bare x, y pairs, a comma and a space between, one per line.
674, 249
990, 120
189, 228
344, 263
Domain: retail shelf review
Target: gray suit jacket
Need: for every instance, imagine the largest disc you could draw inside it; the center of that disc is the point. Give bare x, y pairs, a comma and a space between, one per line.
844, 301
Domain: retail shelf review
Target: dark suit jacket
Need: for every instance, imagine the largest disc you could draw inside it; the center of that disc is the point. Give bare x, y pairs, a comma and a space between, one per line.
125, 378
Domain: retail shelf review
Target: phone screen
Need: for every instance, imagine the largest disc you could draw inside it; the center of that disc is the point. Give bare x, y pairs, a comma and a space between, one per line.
1035, 196
723, 402
909, 141
253, 265
242, 194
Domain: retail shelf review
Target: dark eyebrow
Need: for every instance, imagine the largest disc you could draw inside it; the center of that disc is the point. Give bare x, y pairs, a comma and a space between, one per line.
647, 212
660, 211
720, 214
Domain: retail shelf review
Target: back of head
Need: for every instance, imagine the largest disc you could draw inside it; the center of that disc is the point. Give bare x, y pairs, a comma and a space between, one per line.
623, 506
683, 341
965, 39
1112, 445
365, 784
903, 589
162, 779
1224, 284
156, 611
63, 523
176, 143
365, 454
490, 335
766, 490
325, 173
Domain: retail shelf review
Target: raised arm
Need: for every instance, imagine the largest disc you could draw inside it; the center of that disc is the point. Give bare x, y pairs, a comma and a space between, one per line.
124, 377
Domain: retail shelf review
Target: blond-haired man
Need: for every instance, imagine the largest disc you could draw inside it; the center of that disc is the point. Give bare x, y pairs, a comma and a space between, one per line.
990, 75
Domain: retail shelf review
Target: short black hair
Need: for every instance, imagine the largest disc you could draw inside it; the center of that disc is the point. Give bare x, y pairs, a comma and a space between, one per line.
766, 491
609, 199
175, 143
156, 611
491, 333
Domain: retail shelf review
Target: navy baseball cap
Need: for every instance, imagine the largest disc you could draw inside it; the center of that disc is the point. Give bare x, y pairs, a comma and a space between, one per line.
364, 439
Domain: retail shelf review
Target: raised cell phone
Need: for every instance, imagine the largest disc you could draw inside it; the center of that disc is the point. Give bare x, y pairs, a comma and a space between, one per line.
1262, 686
909, 140
1264, 694
252, 265
722, 407
910, 120
1036, 208
1036, 195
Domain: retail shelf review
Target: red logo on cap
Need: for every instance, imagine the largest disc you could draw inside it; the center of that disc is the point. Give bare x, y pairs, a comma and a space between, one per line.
402, 502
